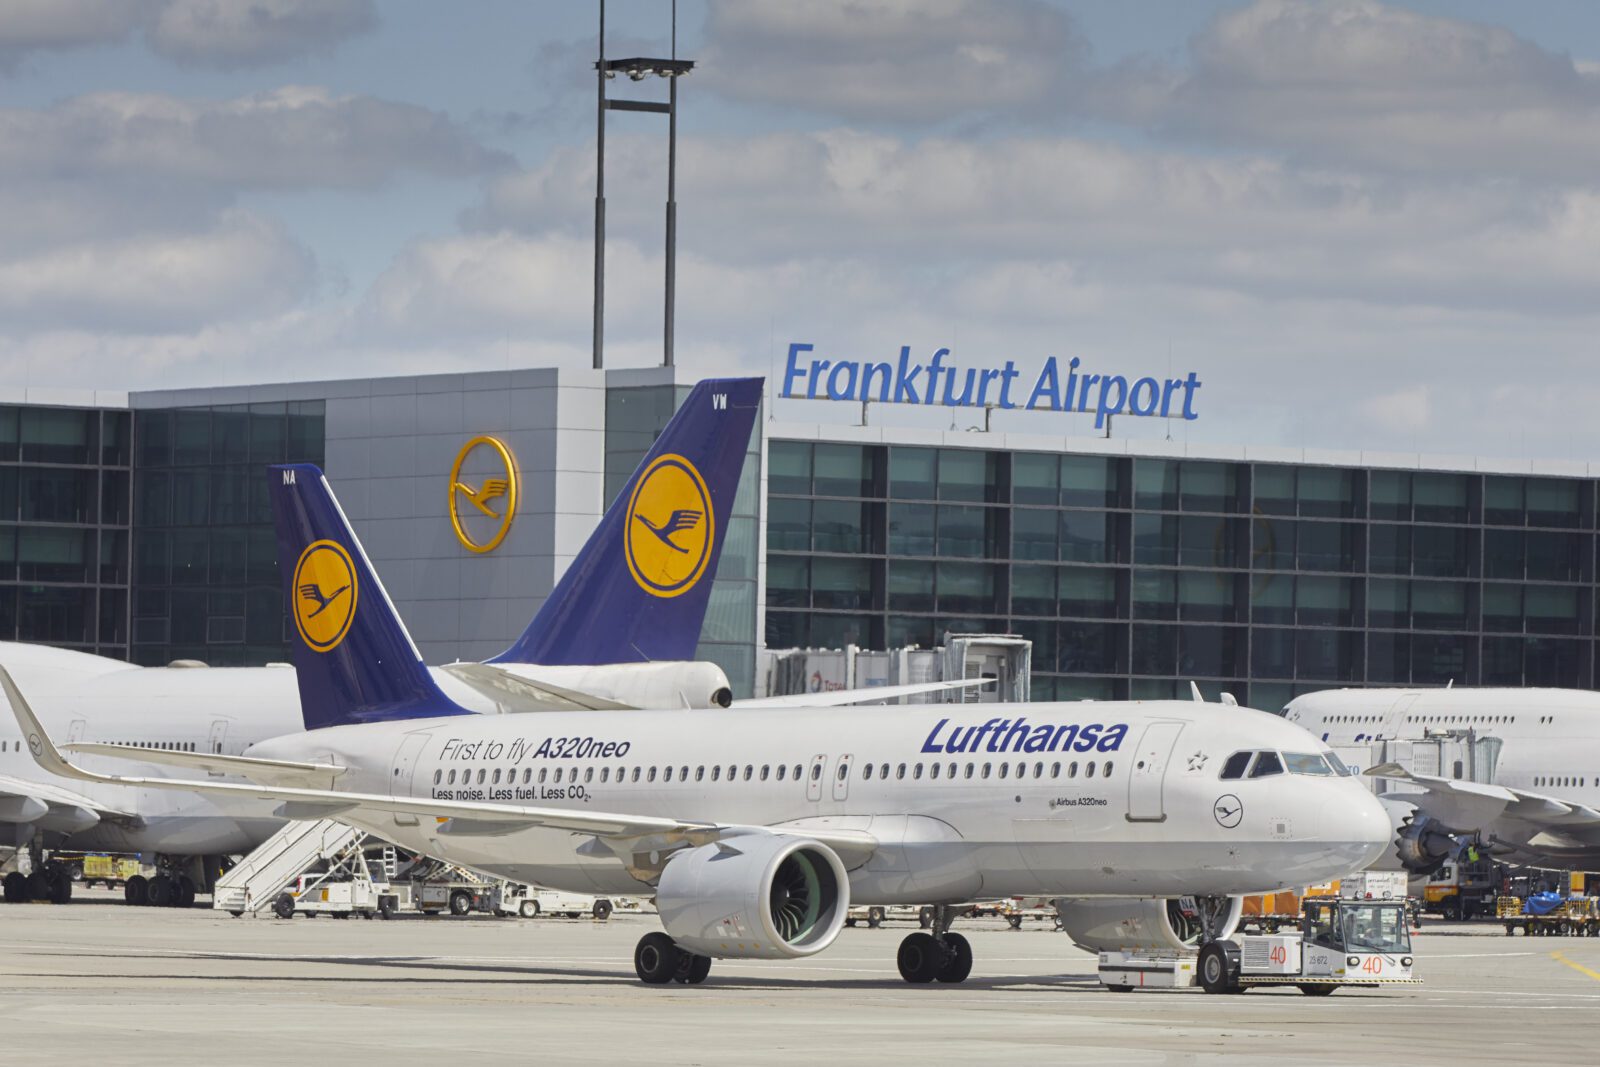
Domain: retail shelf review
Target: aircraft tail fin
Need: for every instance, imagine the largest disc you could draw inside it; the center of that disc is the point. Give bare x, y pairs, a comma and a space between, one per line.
355, 661
638, 589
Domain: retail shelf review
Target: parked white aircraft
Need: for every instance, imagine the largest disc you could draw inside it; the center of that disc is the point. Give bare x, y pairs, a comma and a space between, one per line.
594, 644
755, 830
1517, 769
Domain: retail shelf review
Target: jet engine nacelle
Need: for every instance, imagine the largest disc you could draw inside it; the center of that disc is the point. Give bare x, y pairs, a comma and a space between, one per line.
1106, 925
756, 896
686, 684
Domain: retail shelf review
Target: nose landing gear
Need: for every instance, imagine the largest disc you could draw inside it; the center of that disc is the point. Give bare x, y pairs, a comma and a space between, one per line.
938, 955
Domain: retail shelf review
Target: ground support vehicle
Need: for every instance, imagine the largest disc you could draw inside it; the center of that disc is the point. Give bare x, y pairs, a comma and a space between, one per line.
1266, 913
878, 914
113, 872
352, 884
572, 905
1341, 942
1461, 890
1574, 917
1018, 910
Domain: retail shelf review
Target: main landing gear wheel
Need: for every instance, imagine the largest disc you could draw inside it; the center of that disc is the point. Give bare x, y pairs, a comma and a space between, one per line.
159, 891
958, 960
16, 888
184, 897
692, 968
920, 959
656, 959
137, 891
1219, 969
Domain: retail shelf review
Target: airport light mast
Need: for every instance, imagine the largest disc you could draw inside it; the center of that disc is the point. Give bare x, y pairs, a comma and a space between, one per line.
637, 69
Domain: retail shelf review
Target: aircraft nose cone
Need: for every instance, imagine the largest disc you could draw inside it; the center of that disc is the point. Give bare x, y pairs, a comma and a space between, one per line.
1360, 821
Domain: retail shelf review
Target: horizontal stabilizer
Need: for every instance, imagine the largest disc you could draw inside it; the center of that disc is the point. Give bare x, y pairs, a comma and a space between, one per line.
257, 770
518, 694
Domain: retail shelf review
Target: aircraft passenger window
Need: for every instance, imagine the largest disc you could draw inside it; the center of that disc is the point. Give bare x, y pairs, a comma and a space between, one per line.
1003, 768
783, 769
544, 772
950, 772
900, 771
1105, 772
605, 775
452, 779
1267, 763
1235, 765
683, 774
1072, 769
866, 771
666, 774
883, 771
480, 775
1038, 770
527, 775
797, 772
699, 774
437, 776
916, 772
1305, 763
1088, 769
749, 771
764, 772
557, 778
1055, 770
716, 773
496, 776
650, 775
844, 769
986, 769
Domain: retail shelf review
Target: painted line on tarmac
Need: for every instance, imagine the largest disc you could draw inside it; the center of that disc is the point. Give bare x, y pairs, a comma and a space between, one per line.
1474, 955
1575, 965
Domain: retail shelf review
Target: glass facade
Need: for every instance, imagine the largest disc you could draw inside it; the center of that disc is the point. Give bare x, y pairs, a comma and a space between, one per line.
1134, 575
64, 523
635, 417
205, 566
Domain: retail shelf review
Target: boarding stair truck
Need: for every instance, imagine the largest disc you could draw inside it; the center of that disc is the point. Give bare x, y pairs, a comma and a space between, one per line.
257, 880
1359, 938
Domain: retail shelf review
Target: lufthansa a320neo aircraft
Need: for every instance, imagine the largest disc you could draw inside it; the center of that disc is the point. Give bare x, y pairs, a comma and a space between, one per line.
756, 829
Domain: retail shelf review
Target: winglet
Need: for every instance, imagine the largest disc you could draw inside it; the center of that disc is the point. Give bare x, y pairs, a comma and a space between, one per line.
44, 750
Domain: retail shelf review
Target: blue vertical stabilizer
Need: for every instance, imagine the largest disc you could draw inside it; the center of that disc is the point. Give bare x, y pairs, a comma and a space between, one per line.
638, 590
354, 659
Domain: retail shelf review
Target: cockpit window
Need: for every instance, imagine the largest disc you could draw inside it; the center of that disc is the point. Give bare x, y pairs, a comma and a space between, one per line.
1339, 766
1266, 763
1234, 767
1306, 763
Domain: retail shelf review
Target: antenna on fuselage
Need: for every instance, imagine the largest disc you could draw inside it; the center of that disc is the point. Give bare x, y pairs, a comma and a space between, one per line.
1195, 689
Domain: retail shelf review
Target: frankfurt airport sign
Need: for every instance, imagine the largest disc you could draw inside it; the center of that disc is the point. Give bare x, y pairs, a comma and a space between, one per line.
1055, 387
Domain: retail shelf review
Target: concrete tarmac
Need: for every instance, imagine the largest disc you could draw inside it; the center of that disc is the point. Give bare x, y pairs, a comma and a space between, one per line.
98, 982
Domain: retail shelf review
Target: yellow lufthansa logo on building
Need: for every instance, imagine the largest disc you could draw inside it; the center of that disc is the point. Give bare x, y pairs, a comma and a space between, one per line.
325, 590
483, 494
670, 527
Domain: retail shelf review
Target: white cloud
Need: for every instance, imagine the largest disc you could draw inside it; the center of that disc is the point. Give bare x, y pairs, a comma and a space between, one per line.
289, 137
244, 267
892, 59
28, 26
249, 33
1358, 83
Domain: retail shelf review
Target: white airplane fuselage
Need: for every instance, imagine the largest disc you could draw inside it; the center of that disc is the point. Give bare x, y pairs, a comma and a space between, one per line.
1549, 741
1101, 807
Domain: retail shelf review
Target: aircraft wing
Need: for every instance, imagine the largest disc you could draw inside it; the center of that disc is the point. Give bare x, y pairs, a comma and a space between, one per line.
25, 801
463, 817
271, 772
519, 694
1471, 805
858, 696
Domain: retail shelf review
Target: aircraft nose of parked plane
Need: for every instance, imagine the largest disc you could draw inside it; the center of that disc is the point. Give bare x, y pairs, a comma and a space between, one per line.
1358, 820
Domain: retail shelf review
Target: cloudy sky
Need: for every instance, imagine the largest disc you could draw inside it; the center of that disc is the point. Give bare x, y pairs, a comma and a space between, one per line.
1363, 225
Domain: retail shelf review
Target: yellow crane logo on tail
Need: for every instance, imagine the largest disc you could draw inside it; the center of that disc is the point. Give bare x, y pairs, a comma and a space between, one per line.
325, 590
669, 527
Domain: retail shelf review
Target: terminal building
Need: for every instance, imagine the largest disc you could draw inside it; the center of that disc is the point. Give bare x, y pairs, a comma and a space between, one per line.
137, 526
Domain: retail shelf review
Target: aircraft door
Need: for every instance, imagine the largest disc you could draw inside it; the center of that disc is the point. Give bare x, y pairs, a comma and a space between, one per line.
219, 734
405, 763
75, 731
1145, 777
841, 777
814, 777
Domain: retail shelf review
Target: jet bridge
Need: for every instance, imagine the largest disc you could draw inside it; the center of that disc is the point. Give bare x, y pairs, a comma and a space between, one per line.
1462, 755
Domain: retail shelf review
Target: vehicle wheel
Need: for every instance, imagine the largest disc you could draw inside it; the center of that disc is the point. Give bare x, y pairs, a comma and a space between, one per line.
60, 887
919, 958
1120, 988
602, 909
137, 891
925, 918
460, 902
283, 907
1317, 989
1014, 921
656, 958
387, 906
1452, 910
159, 892
875, 917
236, 914
1510, 930
75, 872
15, 888
528, 909
850, 922
1216, 967
183, 897
958, 960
